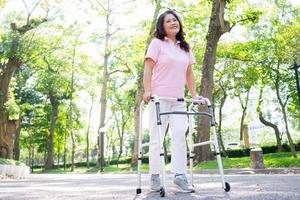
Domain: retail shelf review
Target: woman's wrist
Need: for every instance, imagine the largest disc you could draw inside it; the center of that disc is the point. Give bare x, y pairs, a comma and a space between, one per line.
194, 95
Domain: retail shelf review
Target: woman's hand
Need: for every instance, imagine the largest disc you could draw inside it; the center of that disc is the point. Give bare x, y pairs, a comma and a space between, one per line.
200, 100
147, 96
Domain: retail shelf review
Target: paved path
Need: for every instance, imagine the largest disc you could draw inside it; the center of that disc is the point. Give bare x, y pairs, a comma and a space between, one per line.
123, 186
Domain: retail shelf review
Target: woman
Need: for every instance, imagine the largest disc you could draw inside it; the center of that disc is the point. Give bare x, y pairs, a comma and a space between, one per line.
168, 67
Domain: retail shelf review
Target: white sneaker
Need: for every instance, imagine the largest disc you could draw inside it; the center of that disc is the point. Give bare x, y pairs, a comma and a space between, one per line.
155, 182
181, 181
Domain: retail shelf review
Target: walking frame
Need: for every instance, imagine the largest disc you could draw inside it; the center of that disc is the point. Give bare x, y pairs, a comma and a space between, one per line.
190, 113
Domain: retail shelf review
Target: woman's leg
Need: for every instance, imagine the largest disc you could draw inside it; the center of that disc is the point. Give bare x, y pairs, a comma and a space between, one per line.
154, 149
178, 127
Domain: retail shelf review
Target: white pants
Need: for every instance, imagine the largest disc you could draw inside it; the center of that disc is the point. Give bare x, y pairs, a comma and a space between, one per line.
178, 126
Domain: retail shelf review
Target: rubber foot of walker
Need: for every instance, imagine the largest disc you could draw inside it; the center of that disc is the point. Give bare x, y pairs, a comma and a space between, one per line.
162, 192
138, 191
227, 187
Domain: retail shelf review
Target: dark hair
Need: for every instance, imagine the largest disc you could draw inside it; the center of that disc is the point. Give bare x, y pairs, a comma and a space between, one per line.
160, 33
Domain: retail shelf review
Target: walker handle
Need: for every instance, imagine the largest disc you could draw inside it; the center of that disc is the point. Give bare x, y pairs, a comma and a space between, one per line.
201, 100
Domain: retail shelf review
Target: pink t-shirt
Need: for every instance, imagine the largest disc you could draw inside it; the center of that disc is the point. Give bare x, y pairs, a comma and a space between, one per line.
169, 72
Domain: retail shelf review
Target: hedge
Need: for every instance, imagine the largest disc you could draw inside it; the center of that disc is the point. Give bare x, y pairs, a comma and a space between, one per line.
236, 153
232, 153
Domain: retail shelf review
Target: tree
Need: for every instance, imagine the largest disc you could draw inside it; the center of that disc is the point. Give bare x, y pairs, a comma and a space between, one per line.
87, 69
108, 9
244, 79
268, 54
266, 122
220, 95
122, 107
280, 41
71, 107
140, 89
88, 135
217, 27
280, 81
23, 95
14, 57
51, 84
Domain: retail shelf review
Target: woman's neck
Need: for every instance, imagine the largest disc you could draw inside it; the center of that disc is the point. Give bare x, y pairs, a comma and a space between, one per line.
173, 38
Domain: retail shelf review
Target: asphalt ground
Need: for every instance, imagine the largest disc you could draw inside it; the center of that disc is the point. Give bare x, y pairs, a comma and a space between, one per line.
123, 186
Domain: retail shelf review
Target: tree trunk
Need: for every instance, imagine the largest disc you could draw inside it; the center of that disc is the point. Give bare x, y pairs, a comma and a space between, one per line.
32, 159
124, 122
276, 131
71, 112
121, 132
245, 131
7, 135
267, 123
58, 154
88, 135
138, 100
8, 128
140, 90
73, 150
220, 122
17, 141
103, 99
217, 27
292, 145
244, 108
65, 150
50, 162
120, 135
283, 106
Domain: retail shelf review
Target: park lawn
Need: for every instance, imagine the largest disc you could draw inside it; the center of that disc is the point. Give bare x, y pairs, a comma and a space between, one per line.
281, 160
10, 162
272, 160
122, 168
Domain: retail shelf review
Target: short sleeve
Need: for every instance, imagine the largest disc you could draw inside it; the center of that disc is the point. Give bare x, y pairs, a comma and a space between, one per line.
192, 59
153, 50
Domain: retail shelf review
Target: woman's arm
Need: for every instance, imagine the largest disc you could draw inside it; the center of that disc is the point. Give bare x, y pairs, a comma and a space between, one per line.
149, 64
190, 81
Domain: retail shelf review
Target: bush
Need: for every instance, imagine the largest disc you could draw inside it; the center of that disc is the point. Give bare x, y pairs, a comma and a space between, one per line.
236, 153
233, 153
297, 146
269, 149
266, 149
4, 161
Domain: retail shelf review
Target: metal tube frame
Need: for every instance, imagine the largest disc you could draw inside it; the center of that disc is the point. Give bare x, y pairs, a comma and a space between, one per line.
190, 114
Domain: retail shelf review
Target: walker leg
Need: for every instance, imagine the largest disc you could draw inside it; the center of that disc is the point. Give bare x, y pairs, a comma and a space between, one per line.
139, 189
225, 185
191, 149
163, 189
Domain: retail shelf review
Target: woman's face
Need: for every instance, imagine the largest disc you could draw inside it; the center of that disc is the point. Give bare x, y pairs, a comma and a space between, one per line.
171, 25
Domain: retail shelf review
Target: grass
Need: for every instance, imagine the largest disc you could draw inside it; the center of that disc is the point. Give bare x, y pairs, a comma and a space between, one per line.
122, 168
10, 162
281, 160
272, 160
